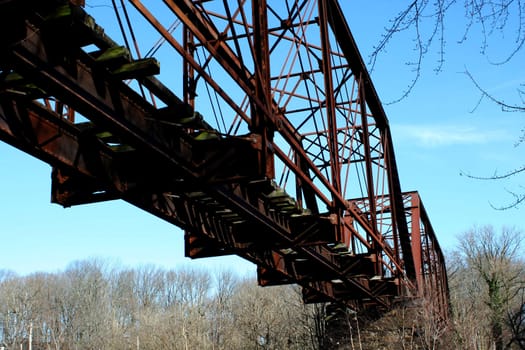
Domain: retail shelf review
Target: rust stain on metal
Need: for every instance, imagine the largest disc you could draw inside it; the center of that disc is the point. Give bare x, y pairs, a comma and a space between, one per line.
363, 247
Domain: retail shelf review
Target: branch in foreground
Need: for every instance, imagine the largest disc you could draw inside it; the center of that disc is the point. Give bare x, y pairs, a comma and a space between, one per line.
495, 176
518, 197
504, 106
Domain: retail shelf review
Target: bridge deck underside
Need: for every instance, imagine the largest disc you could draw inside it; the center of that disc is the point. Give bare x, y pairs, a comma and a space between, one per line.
170, 162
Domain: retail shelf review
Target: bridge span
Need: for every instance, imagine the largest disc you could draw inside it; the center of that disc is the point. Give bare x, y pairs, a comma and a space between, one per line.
252, 125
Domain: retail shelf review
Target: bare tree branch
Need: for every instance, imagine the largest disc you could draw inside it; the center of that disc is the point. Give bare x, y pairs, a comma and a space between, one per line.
484, 94
425, 22
518, 199
496, 176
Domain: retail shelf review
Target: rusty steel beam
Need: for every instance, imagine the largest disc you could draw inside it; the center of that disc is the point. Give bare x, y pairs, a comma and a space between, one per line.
261, 124
103, 100
219, 189
323, 257
170, 207
35, 130
349, 48
429, 260
109, 104
209, 33
330, 108
209, 37
30, 127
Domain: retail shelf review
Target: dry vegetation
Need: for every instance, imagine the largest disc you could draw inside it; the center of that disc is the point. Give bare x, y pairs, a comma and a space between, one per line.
94, 305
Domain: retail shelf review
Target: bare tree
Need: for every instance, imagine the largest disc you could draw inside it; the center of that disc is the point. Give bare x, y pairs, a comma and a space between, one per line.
88, 302
516, 322
6, 274
270, 317
19, 308
90, 306
125, 306
494, 261
221, 310
469, 311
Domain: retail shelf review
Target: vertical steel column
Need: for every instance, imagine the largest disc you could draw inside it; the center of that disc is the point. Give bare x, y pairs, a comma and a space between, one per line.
329, 96
301, 186
349, 48
261, 124
428, 256
330, 110
369, 174
416, 242
188, 72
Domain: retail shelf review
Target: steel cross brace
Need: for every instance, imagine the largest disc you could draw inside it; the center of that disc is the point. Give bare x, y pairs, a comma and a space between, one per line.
111, 105
59, 143
210, 38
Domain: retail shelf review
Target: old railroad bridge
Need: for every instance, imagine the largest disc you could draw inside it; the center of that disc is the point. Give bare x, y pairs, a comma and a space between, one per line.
263, 136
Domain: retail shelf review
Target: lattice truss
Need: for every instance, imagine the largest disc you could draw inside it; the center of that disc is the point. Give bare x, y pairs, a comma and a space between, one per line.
328, 144
429, 260
281, 77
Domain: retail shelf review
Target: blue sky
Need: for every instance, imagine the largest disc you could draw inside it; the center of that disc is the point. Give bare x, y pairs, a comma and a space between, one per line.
436, 133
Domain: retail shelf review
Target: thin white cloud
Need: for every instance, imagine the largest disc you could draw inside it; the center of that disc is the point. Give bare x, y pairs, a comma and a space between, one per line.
446, 135
513, 84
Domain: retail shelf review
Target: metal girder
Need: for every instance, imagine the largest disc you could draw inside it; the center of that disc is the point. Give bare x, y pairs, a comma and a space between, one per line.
215, 42
112, 106
428, 256
349, 48
32, 128
202, 29
170, 162
59, 143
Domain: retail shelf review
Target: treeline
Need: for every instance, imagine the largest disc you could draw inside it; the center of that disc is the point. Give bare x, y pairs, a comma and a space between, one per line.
92, 305
95, 304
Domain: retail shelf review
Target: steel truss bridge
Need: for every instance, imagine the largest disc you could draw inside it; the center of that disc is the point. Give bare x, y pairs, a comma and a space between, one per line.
263, 137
